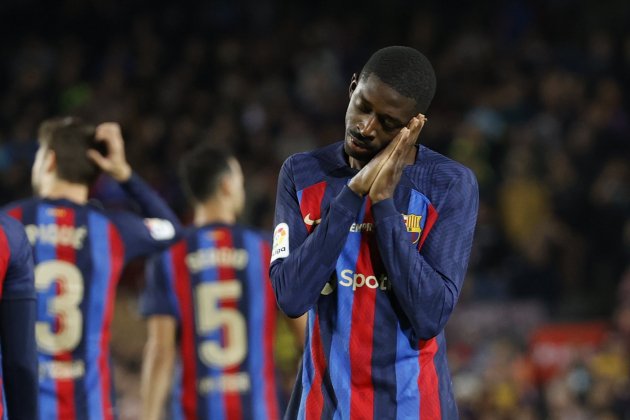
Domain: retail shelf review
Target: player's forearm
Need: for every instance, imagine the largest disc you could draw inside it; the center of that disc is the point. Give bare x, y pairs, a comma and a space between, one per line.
299, 278
149, 201
155, 383
426, 294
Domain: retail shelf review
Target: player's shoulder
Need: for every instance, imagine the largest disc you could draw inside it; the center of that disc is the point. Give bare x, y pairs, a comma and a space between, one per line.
442, 169
19, 205
307, 168
12, 229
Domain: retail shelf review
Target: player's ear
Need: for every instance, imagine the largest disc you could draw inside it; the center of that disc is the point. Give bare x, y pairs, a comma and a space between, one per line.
353, 84
225, 186
50, 161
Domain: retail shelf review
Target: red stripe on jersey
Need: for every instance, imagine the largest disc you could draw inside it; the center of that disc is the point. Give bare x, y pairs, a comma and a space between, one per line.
16, 213
362, 332
1, 399
432, 216
117, 257
315, 398
310, 206
183, 289
231, 399
5, 256
269, 326
428, 381
65, 252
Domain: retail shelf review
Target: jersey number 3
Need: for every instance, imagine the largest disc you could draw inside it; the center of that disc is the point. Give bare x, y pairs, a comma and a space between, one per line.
63, 307
212, 317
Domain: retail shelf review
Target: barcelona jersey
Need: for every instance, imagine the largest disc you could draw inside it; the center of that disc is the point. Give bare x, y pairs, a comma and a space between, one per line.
79, 253
16, 283
215, 282
378, 281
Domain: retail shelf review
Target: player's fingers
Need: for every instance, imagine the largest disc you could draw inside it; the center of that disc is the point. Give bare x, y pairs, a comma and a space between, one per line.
97, 158
109, 133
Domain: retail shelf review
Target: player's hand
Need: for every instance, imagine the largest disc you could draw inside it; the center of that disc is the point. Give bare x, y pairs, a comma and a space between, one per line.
388, 177
362, 181
115, 163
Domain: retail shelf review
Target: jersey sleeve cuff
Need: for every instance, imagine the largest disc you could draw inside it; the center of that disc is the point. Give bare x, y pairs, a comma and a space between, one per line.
133, 182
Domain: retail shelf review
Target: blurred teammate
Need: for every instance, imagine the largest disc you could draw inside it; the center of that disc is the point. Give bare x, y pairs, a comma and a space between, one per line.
18, 377
210, 297
372, 238
79, 252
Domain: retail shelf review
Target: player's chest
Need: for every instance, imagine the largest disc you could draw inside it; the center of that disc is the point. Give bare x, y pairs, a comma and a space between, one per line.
415, 208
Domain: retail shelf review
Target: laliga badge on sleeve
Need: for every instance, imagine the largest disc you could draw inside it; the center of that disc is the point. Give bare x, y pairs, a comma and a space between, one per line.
160, 229
280, 242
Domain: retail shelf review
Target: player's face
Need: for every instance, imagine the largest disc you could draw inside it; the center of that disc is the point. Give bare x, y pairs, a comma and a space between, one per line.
237, 186
375, 115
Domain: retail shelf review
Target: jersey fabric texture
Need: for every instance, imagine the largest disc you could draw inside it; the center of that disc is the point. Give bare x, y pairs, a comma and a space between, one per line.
80, 252
378, 282
215, 283
16, 284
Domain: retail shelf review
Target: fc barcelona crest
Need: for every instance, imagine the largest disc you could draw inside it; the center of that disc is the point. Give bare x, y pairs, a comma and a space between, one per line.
412, 221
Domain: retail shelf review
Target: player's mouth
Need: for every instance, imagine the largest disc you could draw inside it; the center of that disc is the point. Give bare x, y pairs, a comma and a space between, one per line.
356, 144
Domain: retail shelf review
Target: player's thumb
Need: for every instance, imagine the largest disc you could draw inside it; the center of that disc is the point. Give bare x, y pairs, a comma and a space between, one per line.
97, 158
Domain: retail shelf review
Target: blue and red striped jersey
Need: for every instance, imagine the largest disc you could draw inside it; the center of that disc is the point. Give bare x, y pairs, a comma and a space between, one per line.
378, 282
79, 253
215, 283
17, 288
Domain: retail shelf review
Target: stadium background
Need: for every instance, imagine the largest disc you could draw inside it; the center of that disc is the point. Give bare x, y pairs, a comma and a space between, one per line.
532, 95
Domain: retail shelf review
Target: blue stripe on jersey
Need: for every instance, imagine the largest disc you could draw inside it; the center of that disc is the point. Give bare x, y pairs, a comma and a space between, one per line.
407, 371
98, 230
2, 396
45, 252
257, 304
407, 365
384, 356
82, 261
308, 369
340, 343
214, 399
444, 380
177, 411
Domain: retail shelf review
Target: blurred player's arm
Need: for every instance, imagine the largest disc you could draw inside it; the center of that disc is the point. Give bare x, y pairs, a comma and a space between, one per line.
159, 306
17, 330
298, 329
157, 365
427, 284
302, 263
115, 164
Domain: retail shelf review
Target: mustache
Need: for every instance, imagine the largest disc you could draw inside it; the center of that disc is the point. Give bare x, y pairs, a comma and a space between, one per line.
360, 137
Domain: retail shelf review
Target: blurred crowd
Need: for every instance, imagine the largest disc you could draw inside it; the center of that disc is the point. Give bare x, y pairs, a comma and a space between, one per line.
533, 96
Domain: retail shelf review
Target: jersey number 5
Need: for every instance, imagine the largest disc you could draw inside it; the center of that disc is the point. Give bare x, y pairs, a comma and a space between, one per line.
64, 306
212, 317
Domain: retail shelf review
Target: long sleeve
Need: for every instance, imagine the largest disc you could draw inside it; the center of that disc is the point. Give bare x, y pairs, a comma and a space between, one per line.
150, 203
17, 329
156, 228
299, 278
427, 283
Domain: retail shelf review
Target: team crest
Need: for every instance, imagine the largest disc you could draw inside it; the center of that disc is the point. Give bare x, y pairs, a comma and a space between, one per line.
413, 224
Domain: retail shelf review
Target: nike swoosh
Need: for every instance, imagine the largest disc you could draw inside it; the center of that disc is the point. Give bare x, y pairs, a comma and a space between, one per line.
310, 222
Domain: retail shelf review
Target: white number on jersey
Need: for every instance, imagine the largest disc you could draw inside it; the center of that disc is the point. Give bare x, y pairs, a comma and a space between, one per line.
211, 317
64, 306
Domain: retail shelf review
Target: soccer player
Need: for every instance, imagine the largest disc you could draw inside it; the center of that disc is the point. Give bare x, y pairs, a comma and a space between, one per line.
79, 252
211, 294
372, 239
18, 377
